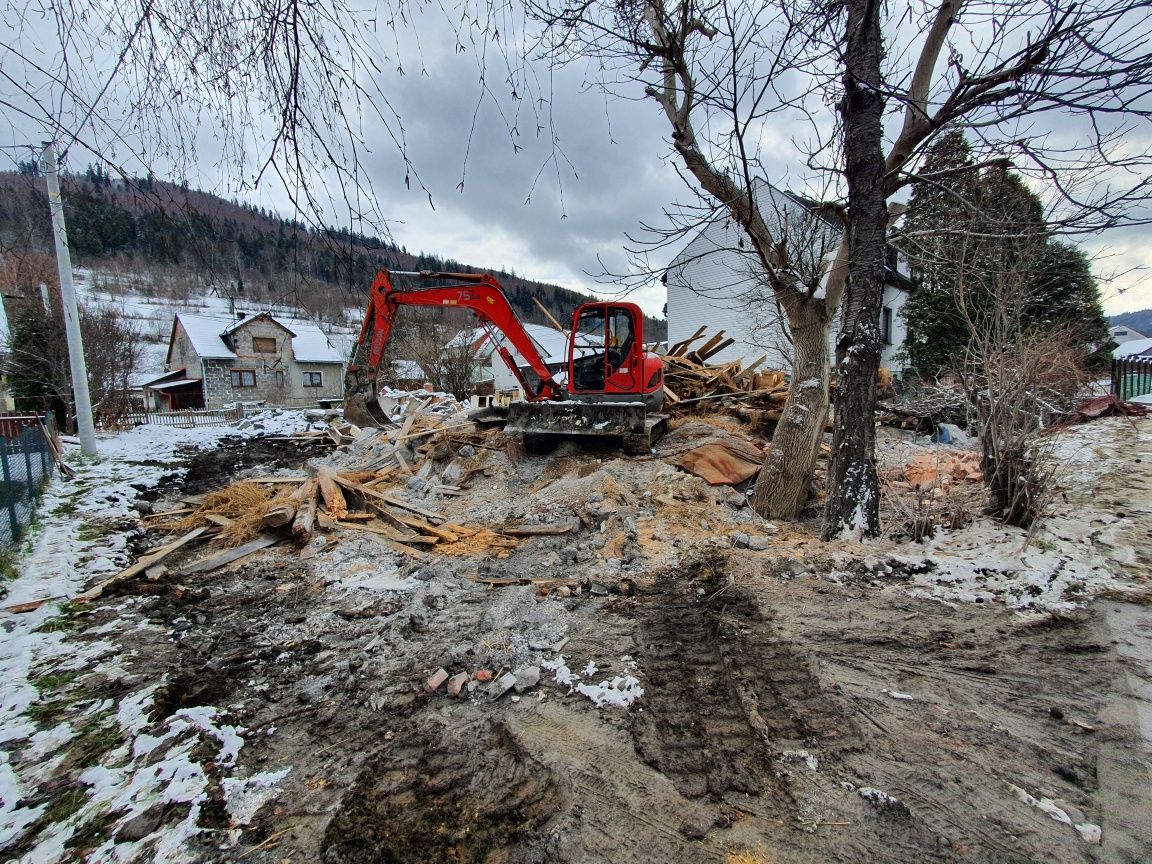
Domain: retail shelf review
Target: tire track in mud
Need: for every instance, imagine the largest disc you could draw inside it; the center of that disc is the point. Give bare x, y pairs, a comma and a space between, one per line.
443, 797
727, 694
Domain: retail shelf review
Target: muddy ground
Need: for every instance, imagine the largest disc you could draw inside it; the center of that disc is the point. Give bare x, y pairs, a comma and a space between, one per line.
795, 709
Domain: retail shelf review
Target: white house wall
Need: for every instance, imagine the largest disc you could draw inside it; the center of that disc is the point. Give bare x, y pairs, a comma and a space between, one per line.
711, 283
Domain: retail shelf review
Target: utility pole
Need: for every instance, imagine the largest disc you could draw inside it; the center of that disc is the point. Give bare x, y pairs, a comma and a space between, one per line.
79, 368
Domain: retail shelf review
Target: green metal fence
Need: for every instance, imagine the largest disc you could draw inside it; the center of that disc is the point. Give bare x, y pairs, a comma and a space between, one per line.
1132, 377
25, 461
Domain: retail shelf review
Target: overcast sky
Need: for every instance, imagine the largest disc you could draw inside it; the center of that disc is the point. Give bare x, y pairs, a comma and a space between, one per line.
541, 216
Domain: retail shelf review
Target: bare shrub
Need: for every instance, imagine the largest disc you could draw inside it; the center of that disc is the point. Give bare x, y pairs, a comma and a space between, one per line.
1014, 390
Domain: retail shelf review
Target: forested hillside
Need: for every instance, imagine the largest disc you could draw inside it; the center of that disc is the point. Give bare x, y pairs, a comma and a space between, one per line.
195, 242
1140, 320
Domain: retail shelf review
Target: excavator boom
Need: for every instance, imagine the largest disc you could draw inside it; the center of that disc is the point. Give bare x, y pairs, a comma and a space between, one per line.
478, 292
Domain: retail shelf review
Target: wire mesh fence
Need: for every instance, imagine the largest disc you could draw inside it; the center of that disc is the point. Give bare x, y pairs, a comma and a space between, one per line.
26, 461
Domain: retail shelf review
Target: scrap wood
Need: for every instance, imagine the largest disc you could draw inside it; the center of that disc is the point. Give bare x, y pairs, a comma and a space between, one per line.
228, 556
1102, 406
283, 510
30, 606
940, 468
680, 347
428, 528
305, 520
549, 530
140, 566
64, 467
356, 517
333, 498
390, 499
164, 514
726, 462
391, 533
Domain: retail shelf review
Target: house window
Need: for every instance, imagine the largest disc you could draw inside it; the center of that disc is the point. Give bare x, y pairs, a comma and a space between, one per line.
263, 344
886, 325
313, 379
243, 377
278, 378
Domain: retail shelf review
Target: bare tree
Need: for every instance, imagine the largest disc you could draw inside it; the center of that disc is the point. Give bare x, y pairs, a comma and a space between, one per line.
727, 74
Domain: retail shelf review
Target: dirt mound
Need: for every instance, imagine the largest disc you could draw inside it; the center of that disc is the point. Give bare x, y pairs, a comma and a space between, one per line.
727, 694
454, 798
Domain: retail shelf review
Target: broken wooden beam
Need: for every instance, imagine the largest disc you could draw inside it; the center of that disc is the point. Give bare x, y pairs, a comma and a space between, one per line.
140, 566
228, 556
334, 501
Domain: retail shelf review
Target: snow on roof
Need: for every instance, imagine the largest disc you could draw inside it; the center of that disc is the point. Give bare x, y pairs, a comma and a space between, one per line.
204, 334
248, 319
1134, 348
309, 343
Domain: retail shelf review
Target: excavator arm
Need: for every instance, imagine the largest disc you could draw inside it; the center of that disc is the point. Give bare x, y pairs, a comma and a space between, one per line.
478, 292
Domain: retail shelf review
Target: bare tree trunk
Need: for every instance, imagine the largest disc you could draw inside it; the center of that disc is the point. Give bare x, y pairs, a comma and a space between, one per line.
782, 487
853, 487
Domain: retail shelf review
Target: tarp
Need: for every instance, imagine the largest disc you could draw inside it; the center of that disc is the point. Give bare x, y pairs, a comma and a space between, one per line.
726, 462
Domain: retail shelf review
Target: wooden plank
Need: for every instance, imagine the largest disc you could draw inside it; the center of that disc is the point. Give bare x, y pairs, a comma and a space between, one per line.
428, 528
217, 519
715, 349
389, 518
391, 533
703, 350
550, 530
389, 499
548, 315
228, 556
680, 347
30, 606
670, 396
140, 566
183, 511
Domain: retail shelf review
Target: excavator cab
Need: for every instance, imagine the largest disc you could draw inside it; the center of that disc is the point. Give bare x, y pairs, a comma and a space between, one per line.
606, 357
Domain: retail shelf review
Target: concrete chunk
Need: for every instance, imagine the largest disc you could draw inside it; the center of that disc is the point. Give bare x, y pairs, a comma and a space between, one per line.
527, 678
501, 685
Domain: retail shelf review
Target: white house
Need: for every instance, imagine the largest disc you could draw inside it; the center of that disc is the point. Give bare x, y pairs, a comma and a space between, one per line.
551, 344
1122, 333
1133, 348
713, 282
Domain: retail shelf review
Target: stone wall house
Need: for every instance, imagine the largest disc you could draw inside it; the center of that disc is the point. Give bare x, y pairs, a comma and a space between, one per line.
216, 361
713, 283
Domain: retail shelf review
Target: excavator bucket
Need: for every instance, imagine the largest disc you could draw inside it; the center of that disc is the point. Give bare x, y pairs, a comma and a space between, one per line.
540, 423
362, 400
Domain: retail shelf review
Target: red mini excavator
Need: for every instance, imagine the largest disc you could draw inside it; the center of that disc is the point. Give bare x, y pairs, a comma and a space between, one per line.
609, 386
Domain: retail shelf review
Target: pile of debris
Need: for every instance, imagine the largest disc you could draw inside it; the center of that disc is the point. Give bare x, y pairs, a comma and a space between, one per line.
689, 379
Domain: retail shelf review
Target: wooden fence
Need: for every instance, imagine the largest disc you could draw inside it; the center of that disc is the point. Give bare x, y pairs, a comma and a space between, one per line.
1132, 376
176, 419
13, 423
